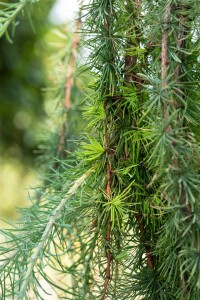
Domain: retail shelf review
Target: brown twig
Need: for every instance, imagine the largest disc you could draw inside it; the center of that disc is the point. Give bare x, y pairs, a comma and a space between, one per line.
69, 85
108, 186
108, 193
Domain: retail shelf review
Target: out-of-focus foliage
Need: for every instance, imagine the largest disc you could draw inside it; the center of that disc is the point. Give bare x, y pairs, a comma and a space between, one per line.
60, 75
23, 75
59, 133
15, 181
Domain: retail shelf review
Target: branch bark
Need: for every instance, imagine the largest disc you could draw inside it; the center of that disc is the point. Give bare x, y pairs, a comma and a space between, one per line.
108, 193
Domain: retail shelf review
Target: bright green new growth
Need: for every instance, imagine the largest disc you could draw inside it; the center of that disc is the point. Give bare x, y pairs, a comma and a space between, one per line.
132, 231
92, 150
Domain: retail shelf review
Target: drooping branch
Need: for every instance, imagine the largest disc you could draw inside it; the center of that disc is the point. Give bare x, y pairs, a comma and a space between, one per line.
109, 96
164, 50
180, 46
47, 231
164, 58
131, 77
108, 194
60, 147
68, 86
133, 8
180, 42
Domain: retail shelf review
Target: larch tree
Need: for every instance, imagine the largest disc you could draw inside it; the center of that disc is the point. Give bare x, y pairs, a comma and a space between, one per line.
120, 218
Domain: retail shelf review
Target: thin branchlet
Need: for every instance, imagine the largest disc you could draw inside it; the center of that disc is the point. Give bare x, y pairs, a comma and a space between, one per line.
48, 229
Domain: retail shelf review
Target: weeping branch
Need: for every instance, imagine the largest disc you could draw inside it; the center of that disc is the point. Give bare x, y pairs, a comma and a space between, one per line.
164, 58
68, 86
108, 236
54, 217
131, 62
138, 132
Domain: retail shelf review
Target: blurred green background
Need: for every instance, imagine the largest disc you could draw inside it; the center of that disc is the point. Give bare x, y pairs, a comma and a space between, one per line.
23, 73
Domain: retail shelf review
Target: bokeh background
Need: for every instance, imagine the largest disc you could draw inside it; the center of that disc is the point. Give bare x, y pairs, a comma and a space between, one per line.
24, 76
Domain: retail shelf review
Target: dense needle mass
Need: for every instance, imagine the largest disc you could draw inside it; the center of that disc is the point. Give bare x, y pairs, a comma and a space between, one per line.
132, 230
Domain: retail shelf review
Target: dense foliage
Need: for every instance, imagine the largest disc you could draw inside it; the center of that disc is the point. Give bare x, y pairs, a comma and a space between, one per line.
121, 217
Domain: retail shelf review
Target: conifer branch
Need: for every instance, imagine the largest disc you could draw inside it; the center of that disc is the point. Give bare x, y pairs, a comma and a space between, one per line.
164, 58
138, 132
178, 122
54, 217
69, 84
108, 236
131, 60
181, 45
130, 76
164, 51
11, 16
180, 42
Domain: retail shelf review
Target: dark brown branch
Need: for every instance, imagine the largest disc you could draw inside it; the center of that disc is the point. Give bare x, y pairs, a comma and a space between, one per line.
108, 236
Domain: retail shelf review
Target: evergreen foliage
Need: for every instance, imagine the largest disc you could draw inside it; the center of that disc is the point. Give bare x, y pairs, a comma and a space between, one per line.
10, 11
122, 220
